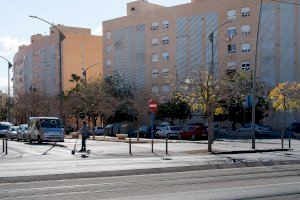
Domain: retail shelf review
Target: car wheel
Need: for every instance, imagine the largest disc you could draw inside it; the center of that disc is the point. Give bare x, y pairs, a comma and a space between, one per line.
193, 137
156, 135
18, 140
39, 140
169, 137
179, 137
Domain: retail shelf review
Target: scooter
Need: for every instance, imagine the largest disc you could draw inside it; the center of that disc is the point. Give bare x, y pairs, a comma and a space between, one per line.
83, 154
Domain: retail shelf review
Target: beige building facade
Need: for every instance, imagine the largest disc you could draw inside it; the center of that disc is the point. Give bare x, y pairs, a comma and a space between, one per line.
153, 42
37, 66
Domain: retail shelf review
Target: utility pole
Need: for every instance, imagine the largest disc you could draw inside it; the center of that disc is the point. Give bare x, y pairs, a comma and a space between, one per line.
254, 80
8, 89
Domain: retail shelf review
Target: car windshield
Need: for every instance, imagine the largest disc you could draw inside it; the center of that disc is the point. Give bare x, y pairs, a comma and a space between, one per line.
175, 128
51, 123
4, 127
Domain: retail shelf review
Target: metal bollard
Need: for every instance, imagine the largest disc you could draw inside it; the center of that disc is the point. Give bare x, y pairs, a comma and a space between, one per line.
6, 147
167, 146
289, 141
130, 146
2, 145
152, 146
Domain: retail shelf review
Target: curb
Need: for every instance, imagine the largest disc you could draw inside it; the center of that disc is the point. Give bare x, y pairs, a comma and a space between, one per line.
143, 171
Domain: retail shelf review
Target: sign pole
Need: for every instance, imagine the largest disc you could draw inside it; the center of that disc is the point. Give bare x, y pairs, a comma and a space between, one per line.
152, 129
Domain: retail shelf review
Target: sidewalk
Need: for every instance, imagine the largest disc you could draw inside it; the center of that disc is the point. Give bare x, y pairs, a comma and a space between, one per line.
30, 162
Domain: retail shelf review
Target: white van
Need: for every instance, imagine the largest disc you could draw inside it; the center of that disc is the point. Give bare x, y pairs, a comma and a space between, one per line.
45, 129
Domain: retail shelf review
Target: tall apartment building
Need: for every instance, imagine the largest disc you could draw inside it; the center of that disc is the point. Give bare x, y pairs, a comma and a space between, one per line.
154, 41
37, 66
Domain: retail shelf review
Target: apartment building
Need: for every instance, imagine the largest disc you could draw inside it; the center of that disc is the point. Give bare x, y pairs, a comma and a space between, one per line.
37, 66
153, 42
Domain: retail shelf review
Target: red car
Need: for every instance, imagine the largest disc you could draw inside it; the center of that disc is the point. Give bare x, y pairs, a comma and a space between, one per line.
193, 132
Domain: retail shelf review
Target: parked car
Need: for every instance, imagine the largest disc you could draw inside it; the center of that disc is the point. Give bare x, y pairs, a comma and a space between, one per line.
193, 132
12, 133
23, 133
98, 130
293, 130
145, 131
168, 132
260, 130
163, 124
4, 127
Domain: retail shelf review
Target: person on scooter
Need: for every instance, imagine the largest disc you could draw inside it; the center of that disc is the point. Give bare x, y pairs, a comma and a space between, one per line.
84, 131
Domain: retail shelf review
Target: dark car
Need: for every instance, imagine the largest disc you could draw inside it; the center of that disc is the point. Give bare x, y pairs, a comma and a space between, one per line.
145, 131
293, 130
193, 132
4, 127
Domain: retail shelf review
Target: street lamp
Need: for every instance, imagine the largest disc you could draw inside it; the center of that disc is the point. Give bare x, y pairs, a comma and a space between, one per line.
211, 71
211, 39
61, 38
8, 87
254, 80
84, 70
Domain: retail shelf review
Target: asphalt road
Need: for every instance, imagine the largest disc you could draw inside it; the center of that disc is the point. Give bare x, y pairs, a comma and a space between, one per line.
276, 182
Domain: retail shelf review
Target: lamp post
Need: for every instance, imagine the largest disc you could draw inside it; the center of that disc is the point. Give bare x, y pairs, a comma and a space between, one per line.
8, 87
211, 71
61, 38
254, 80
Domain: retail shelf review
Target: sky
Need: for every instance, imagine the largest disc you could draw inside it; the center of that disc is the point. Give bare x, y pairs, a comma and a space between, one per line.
16, 27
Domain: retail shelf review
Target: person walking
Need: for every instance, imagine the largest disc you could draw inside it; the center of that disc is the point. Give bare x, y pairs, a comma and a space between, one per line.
84, 131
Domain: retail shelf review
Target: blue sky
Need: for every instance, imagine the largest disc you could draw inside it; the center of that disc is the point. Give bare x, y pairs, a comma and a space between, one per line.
16, 27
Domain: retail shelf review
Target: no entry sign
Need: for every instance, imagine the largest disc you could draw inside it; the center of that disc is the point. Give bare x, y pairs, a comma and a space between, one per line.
152, 106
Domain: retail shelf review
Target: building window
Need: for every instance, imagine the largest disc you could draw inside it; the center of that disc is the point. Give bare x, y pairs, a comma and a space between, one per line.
132, 9
165, 40
155, 57
165, 72
154, 41
108, 48
154, 89
108, 63
155, 73
166, 88
155, 26
245, 29
165, 56
231, 32
245, 11
165, 24
246, 65
231, 48
231, 65
231, 14
108, 35
245, 47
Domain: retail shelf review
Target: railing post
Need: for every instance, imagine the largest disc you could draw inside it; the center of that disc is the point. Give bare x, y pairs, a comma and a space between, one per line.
2, 145
152, 146
6, 147
289, 141
167, 146
130, 146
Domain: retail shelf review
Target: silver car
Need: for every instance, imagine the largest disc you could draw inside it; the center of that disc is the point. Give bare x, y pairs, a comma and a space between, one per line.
12, 133
23, 133
168, 132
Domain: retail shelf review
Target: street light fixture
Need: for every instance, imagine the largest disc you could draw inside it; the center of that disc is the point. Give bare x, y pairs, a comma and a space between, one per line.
84, 70
8, 87
61, 38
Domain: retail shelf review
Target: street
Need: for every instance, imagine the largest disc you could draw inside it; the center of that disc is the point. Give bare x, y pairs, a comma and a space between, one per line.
250, 183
